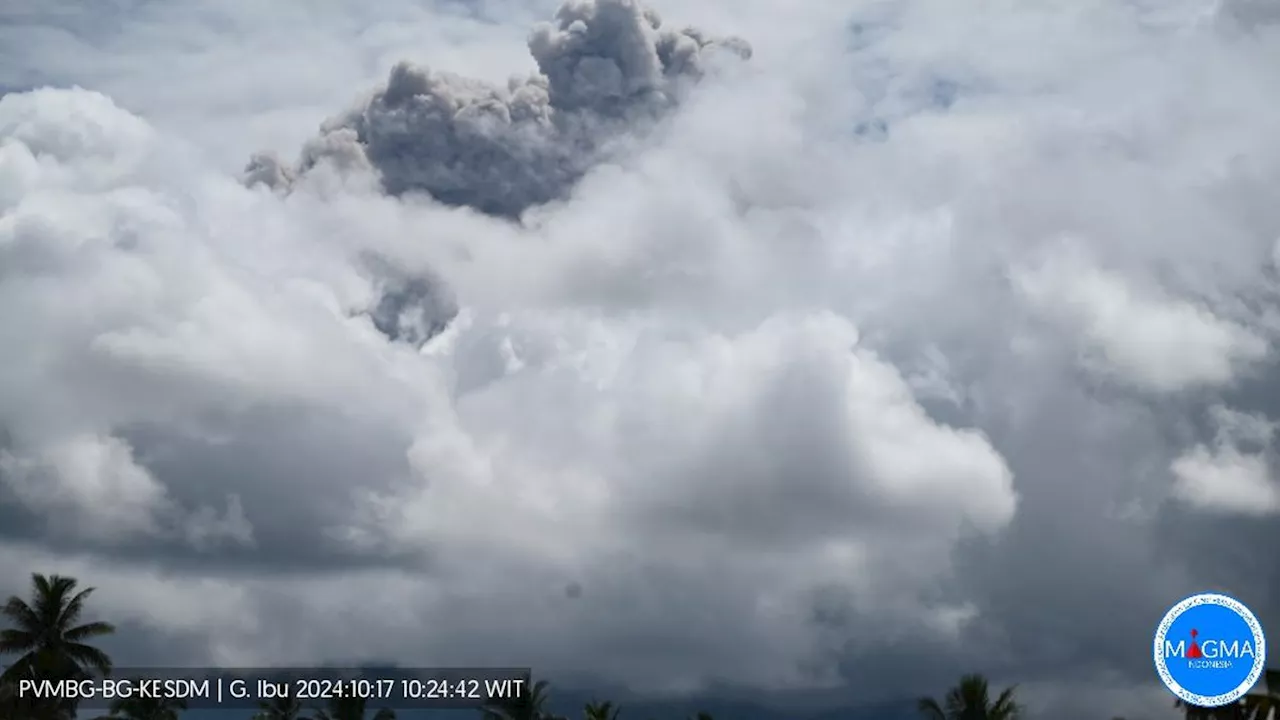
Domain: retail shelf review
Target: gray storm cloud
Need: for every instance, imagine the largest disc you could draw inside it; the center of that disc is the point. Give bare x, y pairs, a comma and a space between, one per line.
605, 66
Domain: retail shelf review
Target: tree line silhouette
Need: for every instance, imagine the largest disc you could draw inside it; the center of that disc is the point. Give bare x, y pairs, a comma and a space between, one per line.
52, 643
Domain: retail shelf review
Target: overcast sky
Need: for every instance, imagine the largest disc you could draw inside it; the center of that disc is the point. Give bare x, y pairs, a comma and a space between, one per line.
931, 338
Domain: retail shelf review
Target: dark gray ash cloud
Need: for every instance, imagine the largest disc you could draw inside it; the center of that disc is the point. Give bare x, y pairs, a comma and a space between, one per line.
605, 67
411, 308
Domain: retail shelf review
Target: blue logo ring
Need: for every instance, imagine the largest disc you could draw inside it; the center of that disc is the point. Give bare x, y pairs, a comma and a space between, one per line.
1227, 695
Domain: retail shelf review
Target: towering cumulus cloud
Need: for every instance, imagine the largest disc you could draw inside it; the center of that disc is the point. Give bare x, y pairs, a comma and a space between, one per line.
604, 66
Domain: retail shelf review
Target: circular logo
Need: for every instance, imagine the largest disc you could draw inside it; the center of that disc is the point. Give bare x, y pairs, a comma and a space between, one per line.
1210, 650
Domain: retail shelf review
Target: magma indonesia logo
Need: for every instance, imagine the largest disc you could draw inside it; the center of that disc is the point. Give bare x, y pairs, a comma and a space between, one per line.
1210, 650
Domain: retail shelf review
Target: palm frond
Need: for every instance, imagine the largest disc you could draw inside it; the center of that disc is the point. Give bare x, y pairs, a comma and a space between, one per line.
74, 607
930, 709
20, 613
88, 630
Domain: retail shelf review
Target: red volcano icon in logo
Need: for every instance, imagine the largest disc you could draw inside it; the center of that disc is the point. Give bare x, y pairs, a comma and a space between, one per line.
1193, 652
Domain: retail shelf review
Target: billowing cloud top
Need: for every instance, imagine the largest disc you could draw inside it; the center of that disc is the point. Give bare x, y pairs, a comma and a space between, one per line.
605, 66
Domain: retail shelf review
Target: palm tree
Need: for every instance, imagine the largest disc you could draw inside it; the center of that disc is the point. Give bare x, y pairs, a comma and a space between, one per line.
1261, 704
145, 708
971, 700
45, 632
281, 708
352, 708
600, 711
13, 707
50, 643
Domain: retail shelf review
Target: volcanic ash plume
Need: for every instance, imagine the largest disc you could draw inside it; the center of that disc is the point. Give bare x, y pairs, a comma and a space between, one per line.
605, 67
